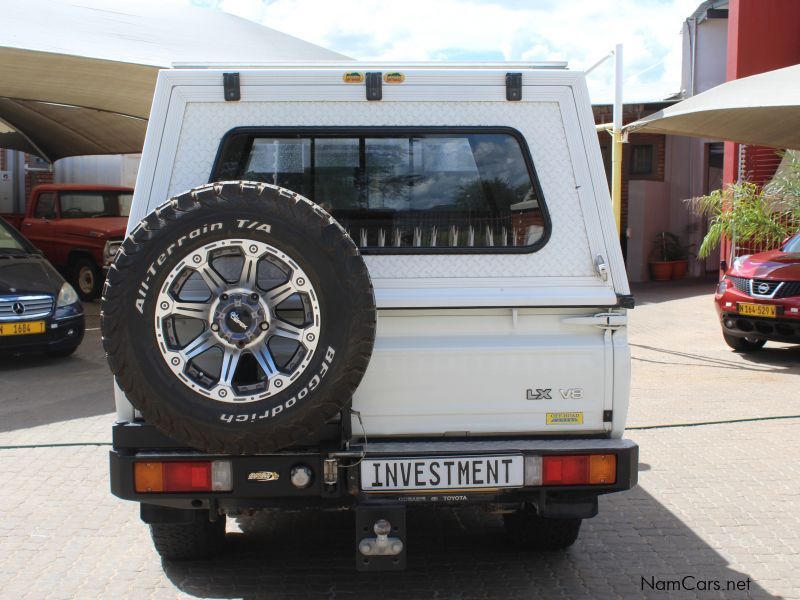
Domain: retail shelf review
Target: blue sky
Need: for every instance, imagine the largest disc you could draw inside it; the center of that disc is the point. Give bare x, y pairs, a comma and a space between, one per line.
578, 31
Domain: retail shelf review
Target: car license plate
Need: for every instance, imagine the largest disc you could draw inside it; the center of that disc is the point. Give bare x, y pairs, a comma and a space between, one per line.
758, 310
442, 473
24, 328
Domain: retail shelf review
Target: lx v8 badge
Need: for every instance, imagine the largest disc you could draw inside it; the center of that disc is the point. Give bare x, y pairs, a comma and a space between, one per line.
263, 476
545, 394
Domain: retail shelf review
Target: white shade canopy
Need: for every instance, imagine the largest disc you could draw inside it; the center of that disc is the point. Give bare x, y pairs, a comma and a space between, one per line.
77, 76
762, 109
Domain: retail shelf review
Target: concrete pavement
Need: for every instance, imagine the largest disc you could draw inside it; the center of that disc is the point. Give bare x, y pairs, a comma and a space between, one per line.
716, 503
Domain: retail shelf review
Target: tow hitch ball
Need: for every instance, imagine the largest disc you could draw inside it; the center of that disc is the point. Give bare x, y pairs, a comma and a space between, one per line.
382, 544
386, 550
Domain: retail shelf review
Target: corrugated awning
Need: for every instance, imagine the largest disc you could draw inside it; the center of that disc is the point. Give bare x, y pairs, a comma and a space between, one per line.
77, 76
762, 109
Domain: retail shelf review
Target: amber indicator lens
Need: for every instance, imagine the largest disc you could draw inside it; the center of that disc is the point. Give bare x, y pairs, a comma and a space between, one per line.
602, 469
148, 477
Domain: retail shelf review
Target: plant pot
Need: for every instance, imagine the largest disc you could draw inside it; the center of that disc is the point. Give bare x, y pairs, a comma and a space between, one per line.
661, 270
679, 269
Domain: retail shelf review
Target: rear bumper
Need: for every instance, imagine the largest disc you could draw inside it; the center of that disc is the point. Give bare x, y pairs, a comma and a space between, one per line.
140, 442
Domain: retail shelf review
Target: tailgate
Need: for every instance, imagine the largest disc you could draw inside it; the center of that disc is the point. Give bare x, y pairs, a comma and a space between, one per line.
486, 371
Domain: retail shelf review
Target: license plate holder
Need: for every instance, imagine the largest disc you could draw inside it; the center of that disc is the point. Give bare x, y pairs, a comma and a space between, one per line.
442, 473
22, 328
769, 311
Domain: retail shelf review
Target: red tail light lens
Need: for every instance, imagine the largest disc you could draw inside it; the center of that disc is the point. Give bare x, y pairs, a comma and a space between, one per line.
187, 476
565, 470
579, 470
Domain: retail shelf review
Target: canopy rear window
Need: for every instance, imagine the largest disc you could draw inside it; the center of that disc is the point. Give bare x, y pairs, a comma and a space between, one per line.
404, 191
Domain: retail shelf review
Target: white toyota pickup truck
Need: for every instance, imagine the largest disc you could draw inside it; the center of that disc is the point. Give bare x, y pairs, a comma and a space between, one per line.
369, 286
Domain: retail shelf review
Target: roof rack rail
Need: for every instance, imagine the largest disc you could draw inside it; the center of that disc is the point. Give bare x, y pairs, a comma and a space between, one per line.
322, 64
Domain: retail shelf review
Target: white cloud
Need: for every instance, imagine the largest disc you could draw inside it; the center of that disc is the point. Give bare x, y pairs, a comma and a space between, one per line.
579, 31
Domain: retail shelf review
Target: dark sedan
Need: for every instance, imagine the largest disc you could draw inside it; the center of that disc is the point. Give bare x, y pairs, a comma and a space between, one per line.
39, 311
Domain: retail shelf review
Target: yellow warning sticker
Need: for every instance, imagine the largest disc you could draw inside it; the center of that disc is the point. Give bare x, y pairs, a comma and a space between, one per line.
353, 77
394, 78
565, 418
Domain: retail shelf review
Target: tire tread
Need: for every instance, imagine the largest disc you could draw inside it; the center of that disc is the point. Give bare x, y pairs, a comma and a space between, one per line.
533, 532
188, 541
228, 196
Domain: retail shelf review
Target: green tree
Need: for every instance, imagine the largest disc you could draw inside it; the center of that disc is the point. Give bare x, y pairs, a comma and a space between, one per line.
784, 188
748, 212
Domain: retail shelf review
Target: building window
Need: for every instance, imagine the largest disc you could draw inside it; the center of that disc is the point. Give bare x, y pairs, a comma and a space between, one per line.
641, 159
36, 164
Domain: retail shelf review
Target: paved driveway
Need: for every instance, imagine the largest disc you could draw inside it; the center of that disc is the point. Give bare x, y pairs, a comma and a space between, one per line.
717, 503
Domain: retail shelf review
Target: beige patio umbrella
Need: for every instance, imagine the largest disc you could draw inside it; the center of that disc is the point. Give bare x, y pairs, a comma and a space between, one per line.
77, 76
761, 109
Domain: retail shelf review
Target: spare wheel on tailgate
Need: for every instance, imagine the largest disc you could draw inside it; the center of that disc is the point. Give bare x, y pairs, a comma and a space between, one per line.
238, 317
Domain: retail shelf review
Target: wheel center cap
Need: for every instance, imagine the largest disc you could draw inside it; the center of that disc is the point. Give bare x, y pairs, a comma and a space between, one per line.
239, 320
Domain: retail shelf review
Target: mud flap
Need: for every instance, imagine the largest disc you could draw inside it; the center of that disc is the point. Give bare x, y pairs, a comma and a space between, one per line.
381, 537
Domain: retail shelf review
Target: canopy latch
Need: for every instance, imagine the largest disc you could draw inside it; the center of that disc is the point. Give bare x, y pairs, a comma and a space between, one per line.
230, 82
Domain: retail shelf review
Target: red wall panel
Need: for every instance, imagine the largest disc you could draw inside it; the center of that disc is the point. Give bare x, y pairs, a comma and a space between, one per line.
762, 35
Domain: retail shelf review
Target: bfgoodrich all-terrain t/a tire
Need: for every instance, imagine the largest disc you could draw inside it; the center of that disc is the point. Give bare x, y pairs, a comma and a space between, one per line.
238, 318
188, 541
533, 532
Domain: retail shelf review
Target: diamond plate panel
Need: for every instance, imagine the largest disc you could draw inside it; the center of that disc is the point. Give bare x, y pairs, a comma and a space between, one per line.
567, 252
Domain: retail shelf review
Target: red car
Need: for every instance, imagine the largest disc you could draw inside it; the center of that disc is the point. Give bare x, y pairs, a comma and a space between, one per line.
78, 228
758, 299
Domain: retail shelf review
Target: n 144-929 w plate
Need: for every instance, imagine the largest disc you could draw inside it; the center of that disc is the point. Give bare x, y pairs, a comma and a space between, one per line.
758, 310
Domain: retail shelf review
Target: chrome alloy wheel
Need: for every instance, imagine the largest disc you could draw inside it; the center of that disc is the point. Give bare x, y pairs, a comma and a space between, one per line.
237, 320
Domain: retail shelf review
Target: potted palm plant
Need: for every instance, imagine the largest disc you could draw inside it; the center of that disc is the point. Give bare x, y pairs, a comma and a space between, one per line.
680, 257
667, 254
746, 212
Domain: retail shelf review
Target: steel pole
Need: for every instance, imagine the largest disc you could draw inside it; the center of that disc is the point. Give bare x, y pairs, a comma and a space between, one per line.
616, 147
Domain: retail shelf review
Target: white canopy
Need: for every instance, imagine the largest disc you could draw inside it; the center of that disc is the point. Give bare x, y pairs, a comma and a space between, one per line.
761, 109
77, 76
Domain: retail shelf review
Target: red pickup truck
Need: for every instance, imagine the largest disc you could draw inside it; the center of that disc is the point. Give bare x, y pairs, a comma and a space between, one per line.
78, 228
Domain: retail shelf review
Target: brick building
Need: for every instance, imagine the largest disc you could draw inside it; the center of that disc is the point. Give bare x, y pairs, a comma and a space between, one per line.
722, 40
19, 174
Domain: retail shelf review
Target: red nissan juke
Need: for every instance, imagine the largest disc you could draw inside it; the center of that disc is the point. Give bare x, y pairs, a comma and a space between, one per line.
758, 299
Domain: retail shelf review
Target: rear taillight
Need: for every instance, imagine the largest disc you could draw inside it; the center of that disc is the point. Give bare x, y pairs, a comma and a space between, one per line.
586, 469
182, 476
